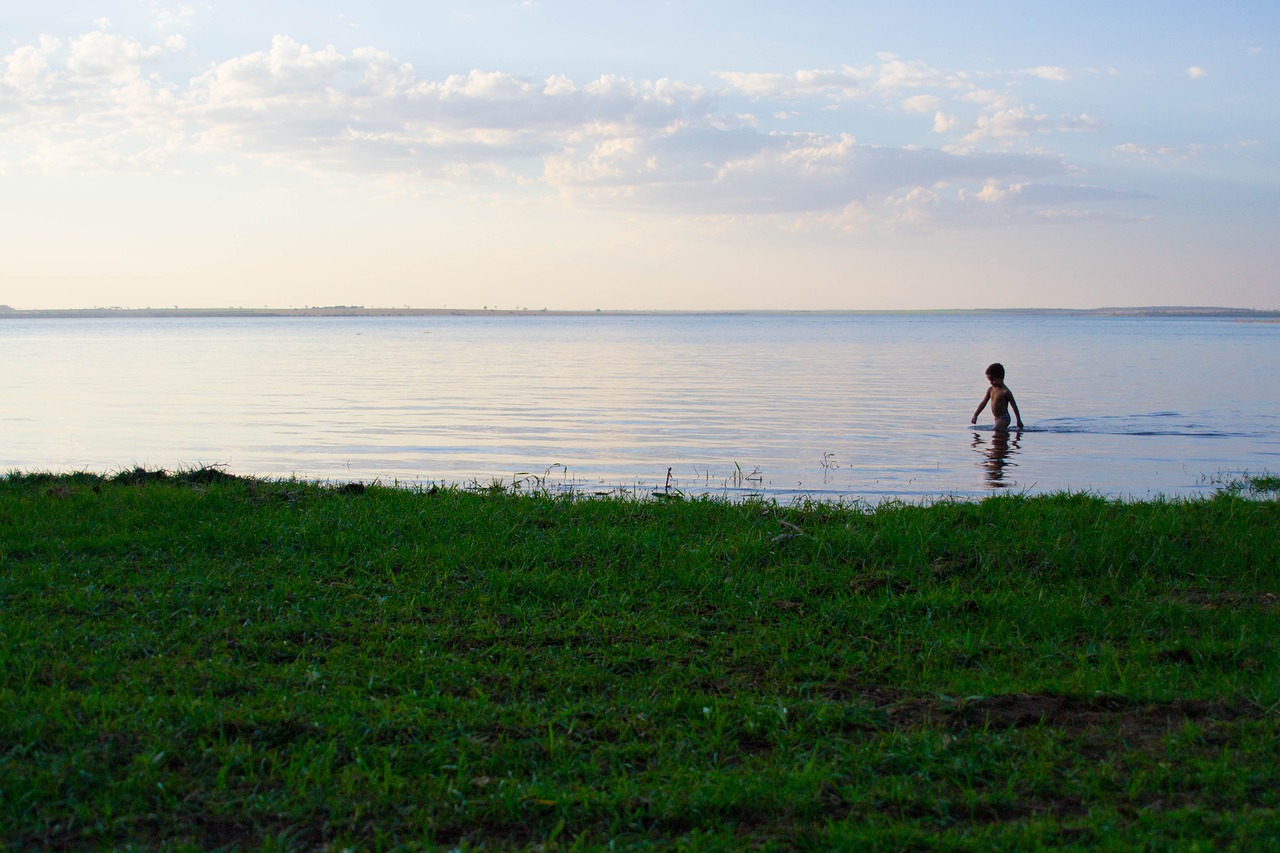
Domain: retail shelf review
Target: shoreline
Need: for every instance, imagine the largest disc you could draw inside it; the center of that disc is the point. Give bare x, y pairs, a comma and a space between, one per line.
1263, 485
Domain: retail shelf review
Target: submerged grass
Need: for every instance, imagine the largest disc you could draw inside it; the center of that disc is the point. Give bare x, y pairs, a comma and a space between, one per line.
202, 661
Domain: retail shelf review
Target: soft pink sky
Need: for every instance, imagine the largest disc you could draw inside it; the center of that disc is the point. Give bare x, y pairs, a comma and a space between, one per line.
623, 156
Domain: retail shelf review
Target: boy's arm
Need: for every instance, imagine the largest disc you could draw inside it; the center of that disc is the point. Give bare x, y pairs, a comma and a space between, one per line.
1014, 405
981, 406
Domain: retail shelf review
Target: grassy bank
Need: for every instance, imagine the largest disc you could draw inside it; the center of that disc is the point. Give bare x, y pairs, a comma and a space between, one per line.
205, 661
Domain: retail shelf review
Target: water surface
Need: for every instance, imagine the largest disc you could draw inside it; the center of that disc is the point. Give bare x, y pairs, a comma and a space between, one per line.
833, 406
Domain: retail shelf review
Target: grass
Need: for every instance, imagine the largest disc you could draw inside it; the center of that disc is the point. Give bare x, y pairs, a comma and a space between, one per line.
197, 661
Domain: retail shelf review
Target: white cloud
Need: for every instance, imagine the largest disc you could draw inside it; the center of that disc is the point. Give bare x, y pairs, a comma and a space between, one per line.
980, 113
887, 78
1160, 153
842, 84
115, 58
894, 74
166, 16
942, 122
922, 104
27, 67
993, 192
1003, 124
1181, 152
1049, 72
989, 99
1195, 72
748, 173
89, 105
367, 112
558, 85
999, 202
1000, 126
101, 102
1081, 123
993, 203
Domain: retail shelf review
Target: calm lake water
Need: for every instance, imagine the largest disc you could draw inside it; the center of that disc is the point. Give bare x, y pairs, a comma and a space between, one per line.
838, 407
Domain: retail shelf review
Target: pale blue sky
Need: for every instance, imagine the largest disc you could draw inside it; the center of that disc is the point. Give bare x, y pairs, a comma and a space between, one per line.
816, 155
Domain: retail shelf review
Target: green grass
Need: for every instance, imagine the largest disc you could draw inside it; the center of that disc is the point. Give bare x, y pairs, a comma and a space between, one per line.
196, 661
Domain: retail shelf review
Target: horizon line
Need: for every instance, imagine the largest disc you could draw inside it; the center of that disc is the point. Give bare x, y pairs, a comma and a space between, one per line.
406, 311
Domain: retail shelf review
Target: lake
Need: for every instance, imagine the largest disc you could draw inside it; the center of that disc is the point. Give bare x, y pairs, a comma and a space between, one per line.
832, 406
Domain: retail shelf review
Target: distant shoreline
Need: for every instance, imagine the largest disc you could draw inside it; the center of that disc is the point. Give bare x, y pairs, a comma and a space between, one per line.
7, 313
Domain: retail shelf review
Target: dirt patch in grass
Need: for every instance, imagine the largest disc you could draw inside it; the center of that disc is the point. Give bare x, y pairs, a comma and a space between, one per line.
196, 476
1089, 713
1119, 715
1231, 600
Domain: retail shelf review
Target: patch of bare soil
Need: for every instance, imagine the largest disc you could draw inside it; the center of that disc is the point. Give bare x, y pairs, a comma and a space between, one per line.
1118, 715
1111, 717
1231, 600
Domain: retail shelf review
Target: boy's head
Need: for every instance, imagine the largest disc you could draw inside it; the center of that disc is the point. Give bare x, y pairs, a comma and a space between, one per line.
995, 372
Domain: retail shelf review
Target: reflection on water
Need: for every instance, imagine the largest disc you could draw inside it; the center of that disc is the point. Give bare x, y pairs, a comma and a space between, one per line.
825, 406
996, 450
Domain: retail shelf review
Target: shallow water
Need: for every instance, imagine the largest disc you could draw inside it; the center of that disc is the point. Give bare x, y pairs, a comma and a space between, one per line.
852, 407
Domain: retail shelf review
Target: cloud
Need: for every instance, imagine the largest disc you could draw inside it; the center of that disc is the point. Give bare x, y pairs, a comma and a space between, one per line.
1049, 72
994, 203
92, 103
973, 107
887, 78
100, 101
744, 172
894, 74
1001, 203
840, 84
1003, 124
1017, 123
1160, 153
922, 104
1195, 72
169, 16
367, 112
116, 58
1054, 195
942, 122
1082, 123
27, 68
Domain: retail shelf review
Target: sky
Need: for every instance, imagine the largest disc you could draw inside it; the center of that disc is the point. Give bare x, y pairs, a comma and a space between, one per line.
631, 156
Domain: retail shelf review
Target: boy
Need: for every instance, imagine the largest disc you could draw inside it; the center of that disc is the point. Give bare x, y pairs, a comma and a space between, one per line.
1000, 397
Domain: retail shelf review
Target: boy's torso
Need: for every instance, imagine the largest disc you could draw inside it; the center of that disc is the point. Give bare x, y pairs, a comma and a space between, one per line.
1000, 401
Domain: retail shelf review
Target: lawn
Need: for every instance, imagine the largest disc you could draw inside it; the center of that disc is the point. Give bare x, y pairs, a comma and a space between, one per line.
200, 661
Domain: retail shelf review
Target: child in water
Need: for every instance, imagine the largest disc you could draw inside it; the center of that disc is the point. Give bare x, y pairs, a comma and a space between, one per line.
1000, 397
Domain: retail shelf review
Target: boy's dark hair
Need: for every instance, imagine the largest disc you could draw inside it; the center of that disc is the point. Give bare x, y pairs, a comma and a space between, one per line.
996, 370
